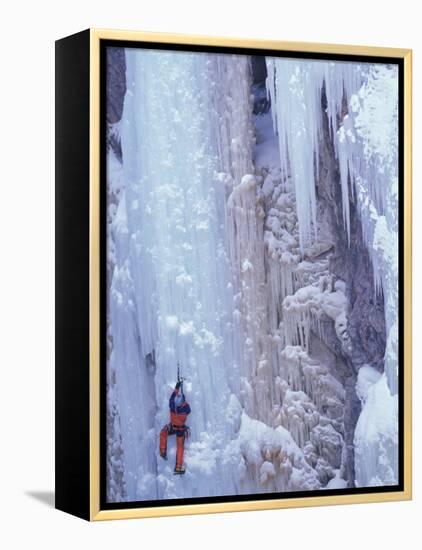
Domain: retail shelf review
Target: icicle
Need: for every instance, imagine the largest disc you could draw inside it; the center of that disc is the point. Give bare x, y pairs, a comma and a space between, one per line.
295, 88
297, 129
346, 166
368, 154
270, 85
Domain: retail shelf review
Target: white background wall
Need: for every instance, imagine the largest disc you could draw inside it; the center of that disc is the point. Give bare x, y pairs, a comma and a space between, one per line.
27, 271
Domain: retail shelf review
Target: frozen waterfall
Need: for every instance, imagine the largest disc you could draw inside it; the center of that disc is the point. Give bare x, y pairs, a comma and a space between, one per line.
218, 261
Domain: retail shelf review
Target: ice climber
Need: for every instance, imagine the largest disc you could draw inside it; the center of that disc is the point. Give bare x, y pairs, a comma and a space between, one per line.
179, 410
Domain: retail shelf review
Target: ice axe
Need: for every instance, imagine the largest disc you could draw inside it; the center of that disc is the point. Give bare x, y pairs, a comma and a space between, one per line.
180, 379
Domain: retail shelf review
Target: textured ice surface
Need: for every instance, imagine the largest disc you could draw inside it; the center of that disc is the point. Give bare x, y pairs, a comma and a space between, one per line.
215, 260
295, 88
362, 108
376, 431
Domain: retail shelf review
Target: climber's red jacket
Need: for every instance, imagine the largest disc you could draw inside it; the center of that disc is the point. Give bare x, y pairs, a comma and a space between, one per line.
178, 414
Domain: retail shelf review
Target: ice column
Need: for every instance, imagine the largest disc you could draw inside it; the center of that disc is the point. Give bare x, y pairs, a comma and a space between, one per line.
172, 292
295, 87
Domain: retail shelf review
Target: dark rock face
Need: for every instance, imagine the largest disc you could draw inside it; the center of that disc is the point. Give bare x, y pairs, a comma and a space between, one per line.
116, 90
259, 69
350, 263
116, 83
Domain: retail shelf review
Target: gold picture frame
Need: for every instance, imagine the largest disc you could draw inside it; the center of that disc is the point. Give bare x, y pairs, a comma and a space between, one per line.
91, 507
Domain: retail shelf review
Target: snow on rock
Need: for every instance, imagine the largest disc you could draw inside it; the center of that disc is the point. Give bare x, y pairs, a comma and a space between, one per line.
369, 156
366, 378
337, 482
271, 457
305, 307
317, 249
376, 457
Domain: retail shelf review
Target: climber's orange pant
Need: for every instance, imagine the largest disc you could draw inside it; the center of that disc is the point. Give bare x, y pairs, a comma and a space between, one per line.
169, 429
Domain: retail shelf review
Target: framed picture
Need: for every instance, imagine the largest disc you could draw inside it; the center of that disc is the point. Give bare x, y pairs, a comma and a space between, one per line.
233, 274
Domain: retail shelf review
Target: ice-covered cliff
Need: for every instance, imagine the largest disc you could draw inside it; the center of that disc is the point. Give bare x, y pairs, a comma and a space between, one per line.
230, 253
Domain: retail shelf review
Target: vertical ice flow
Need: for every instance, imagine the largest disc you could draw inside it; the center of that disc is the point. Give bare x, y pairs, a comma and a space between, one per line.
190, 241
295, 87
178, 261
